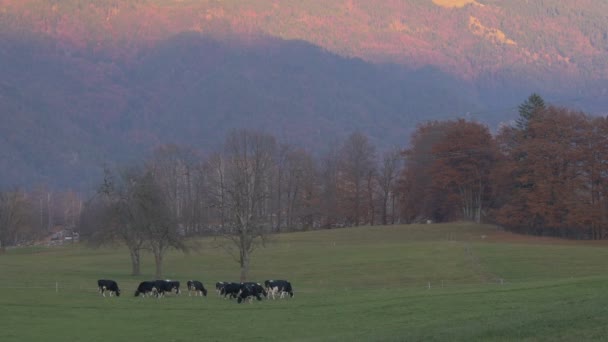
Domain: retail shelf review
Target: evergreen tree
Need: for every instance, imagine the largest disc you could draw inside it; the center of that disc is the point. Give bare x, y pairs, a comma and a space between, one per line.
528, 109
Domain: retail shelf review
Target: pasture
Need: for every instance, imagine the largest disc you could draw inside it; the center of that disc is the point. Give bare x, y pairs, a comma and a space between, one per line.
456, 282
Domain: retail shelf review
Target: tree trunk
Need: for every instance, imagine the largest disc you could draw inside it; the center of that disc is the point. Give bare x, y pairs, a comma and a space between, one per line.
244, 266
135, 262
385, 210
158, 260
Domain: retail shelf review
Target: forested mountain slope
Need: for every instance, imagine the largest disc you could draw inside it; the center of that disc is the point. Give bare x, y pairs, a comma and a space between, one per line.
91, 82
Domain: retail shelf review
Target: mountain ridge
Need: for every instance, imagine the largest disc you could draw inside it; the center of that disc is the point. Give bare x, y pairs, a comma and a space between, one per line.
104, 81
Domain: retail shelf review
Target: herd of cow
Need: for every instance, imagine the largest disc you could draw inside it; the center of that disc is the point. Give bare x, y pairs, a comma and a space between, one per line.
240, 291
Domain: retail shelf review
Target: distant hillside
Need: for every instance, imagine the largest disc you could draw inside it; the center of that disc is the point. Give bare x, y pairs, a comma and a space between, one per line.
65, 115
559, 39
91, 82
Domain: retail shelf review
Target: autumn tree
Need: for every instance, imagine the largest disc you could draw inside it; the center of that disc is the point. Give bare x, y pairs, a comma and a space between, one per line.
463, 160
549, 181
594, 172
417, 196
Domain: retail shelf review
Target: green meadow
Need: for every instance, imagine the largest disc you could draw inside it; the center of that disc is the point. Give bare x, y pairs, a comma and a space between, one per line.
440, 282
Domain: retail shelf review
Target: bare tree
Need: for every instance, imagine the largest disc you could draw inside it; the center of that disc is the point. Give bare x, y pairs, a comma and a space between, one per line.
329, 208
357, 163
387, 176
298, 188
131, 208
113, 214
173, 168
248, 162
214, 184
14, 215
279, 184
156, 219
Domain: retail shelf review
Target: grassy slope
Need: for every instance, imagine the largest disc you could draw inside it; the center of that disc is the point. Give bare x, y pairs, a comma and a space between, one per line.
359, 284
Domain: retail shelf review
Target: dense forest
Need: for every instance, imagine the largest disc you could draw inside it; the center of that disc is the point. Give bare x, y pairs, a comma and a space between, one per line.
105, 81
545, 174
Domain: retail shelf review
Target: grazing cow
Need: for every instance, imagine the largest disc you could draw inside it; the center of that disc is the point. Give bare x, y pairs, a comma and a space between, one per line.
219, 286
230, 289
174, 285
196, 287
257, 288
145, 288
164, 286
248, 291
278, 287
108, 285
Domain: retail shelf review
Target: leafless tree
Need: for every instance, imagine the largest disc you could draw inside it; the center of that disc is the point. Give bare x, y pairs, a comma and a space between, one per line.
14, 217
156, 219
173, 167
299, 188
328, 206
356, 165
112, 215
248, 165
131, 209
387, 176
213, 189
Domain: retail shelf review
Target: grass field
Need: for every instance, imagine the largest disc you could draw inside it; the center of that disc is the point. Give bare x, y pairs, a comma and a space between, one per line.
356, 284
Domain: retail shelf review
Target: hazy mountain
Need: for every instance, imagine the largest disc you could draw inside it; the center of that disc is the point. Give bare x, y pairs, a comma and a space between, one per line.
91, 82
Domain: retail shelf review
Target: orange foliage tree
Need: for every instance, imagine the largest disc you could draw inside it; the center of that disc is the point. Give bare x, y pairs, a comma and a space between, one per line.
557, 166
448, 170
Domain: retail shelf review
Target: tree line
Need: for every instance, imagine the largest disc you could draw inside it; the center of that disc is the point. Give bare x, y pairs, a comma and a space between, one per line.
546, 174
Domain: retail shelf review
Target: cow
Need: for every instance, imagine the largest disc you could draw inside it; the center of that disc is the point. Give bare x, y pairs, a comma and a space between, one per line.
108, 285
257, 288
230, 289
164, 286
219, 286
146, 288
248, 291
196, 287
278, 287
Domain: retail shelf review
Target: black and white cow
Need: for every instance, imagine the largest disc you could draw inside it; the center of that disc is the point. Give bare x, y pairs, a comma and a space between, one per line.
219, 286
146, 288
257, 288
230, 289
166, 286
278, 287
196, 287
108, 285
174, 284
249, 291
